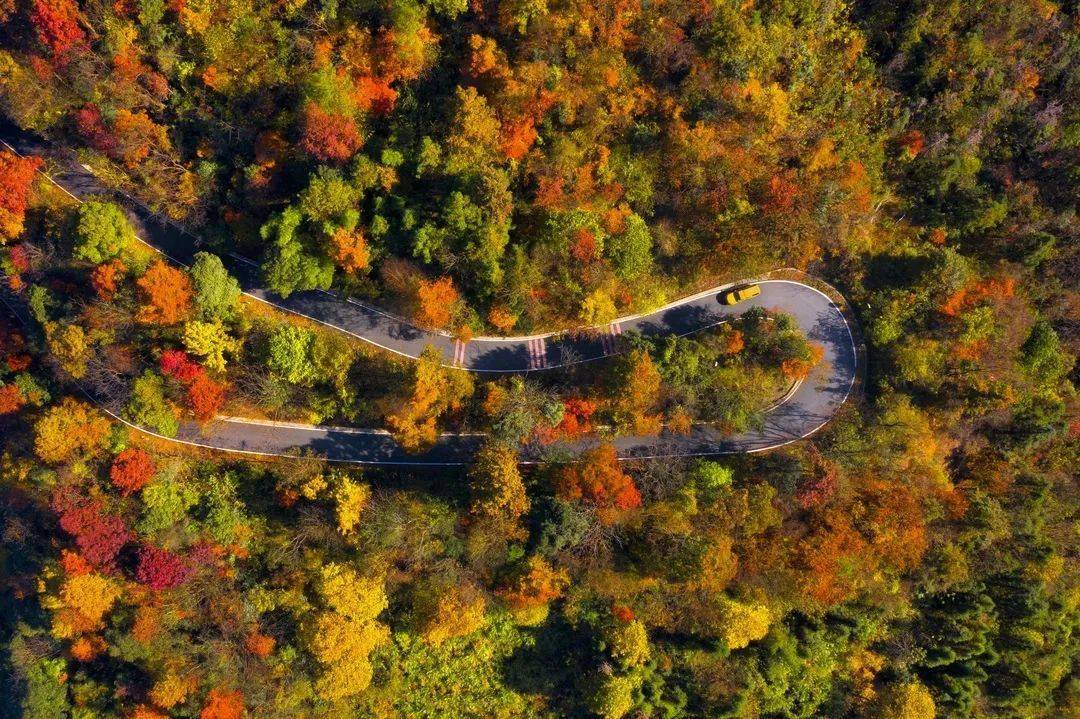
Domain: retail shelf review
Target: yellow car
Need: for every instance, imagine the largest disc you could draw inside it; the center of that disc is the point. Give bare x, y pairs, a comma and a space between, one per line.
739, 294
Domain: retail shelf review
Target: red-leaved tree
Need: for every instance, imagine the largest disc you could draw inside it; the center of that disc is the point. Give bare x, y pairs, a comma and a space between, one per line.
206, 397
329, 137
99, 535
161, 569
56, 23
819, 484
131, 470
177, 364
91, 126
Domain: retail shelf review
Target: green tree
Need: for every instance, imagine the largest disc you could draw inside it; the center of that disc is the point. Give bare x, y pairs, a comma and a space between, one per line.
102, 232
328, 198
612, 695
631, 250
148, 406
1041, 355
290, 354
216, 291
1035, 643
166, 502
291, 267
44, 678
954, 630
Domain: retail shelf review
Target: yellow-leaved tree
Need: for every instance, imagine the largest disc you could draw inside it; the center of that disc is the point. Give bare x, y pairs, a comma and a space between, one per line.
85, 599
342, 636
432, 391
445, 610
350, 499
66, 429
628, 643
742, 623
637, 394
495, 484
210, 340
906, 701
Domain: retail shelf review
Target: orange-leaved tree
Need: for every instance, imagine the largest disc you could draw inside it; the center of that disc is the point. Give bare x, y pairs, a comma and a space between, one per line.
131, 470
533, 587
350, 251
16, 177
329, 137
597, 479
433, 391
136, 136
166, 293
436, 302
221, 704
106, 277
206, 397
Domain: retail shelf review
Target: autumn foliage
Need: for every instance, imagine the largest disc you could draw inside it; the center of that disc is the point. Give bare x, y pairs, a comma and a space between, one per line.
260, 645
11, 399
68, 428
161, 569
166, 293
87, 599
577, 417
99, 534
976, 292
106, 278
91, 126
329, 137
637, 394
522, 167
436, 300
597, 479
177, 364
131, 470
222, 704
350, 251
16, 178
433, 391
536, 584
57, 26
206, 397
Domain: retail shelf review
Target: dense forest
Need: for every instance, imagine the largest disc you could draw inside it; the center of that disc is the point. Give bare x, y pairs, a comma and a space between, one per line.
503, 168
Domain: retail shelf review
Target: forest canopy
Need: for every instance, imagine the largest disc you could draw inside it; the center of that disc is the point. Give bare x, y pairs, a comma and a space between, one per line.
516, 167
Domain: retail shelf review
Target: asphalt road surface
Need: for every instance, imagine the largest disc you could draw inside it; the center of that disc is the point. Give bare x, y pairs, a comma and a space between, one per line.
803, 412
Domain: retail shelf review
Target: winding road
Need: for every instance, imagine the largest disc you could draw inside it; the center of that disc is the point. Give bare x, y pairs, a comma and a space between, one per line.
803, 412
